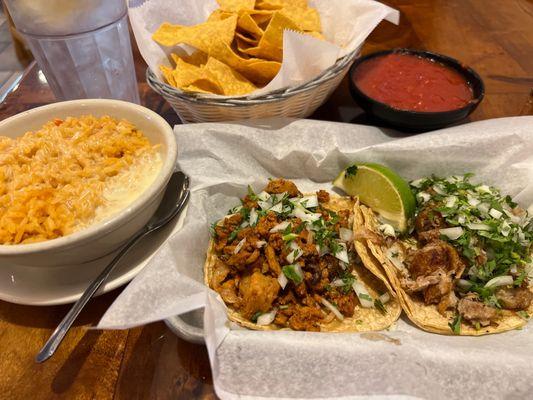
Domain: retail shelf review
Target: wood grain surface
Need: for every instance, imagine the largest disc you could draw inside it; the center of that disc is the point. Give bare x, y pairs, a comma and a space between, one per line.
493, 37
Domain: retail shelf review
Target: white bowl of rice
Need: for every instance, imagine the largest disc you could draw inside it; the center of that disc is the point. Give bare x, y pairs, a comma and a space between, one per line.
79, 178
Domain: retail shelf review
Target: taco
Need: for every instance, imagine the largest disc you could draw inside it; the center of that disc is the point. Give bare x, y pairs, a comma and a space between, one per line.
466, 268
283, 260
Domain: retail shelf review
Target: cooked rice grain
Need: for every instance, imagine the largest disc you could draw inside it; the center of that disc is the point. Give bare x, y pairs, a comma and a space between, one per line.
52, 180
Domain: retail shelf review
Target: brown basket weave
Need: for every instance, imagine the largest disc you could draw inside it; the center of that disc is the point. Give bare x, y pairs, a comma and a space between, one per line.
297, 102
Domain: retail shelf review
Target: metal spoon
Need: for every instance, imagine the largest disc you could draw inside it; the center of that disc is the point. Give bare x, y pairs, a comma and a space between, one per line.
175, 197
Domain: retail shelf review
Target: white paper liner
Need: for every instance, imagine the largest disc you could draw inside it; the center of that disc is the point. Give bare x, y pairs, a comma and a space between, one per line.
222, 159
346, 24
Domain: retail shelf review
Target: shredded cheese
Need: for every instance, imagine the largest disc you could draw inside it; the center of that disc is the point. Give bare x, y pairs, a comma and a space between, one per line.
65, 176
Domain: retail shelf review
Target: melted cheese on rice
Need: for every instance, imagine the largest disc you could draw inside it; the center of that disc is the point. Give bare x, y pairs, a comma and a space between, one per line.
71, 174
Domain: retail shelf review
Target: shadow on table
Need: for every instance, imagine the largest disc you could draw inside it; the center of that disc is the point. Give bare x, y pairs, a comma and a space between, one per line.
50, 316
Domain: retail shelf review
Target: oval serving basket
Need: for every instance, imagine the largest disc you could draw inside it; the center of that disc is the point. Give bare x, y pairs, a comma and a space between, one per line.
296, 102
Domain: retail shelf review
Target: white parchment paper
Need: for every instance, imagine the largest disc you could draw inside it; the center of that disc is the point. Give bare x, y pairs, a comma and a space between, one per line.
223, 158
345, 23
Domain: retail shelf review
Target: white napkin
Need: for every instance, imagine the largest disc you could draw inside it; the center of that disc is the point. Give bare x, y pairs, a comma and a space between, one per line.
222, 159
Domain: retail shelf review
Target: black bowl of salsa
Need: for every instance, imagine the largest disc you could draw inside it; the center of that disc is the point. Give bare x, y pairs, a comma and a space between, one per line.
415, 90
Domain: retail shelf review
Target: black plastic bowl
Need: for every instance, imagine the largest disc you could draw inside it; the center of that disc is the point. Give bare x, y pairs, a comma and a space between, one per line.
418, 120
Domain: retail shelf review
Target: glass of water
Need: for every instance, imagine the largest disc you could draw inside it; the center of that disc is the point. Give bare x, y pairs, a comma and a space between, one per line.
82, 47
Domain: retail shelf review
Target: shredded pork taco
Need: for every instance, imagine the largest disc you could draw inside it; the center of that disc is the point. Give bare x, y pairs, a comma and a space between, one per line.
285, 260
466, 268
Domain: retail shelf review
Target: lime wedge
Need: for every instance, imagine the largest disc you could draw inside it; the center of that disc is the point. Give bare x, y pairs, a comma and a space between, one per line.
381, 189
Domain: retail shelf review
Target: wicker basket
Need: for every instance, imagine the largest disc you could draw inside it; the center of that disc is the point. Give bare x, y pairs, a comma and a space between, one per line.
297, 102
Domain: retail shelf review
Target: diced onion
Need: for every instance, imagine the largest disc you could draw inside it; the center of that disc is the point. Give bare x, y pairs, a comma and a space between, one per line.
500, 281
483, 189
332, 308
384, 298
253, 217
342, 254
322, 250
361, 292
346, 235
267, 318
263, 196
439, 189
505, 229
337, 283
514, 218
478, 227
296, 252
280, 227
260, 243
310, 201
423, 196
463, 284
473, 201
387, 230
450, 201
461, 219
265, 205
513, 270
282, 280
304, 215
452, 233
483, 207
239, 246
495, 213
397, 261
418, 182
277, 208
343, 264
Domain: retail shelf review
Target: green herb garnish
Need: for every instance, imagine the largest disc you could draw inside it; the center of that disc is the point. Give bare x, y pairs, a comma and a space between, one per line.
455, 325
290, 272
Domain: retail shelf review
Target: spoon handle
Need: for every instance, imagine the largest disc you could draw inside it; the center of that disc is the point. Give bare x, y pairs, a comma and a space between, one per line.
57, 336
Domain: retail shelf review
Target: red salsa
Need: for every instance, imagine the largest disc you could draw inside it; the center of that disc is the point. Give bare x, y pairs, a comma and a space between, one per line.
413, 83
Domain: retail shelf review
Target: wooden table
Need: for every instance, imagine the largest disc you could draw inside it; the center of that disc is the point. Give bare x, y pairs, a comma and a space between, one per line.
150, 362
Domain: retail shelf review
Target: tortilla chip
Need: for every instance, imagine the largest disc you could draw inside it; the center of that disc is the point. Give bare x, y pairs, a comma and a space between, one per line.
425, 316
219, 15
203, 86
198, 58
232, 82
269, 4
186, 74
363, 320
167, 73
248, 25
258, 71
246, 39
236, 5
270, 46
202, 36
306, 20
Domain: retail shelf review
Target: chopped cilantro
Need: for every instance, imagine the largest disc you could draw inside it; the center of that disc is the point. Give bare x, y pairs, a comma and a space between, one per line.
212, 230
255, 316
251, 193
233, 235
455, 325
365, 296
290, 272
523, 314
351, 171
379, 305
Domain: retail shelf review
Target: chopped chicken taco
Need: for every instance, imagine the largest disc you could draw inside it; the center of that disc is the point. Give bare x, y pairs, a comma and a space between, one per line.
467, 267
285, 260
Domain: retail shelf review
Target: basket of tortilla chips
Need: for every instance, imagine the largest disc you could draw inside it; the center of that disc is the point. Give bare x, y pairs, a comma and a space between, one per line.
230, 66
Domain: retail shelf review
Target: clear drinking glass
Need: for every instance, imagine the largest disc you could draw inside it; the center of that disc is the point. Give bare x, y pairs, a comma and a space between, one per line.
82, 47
